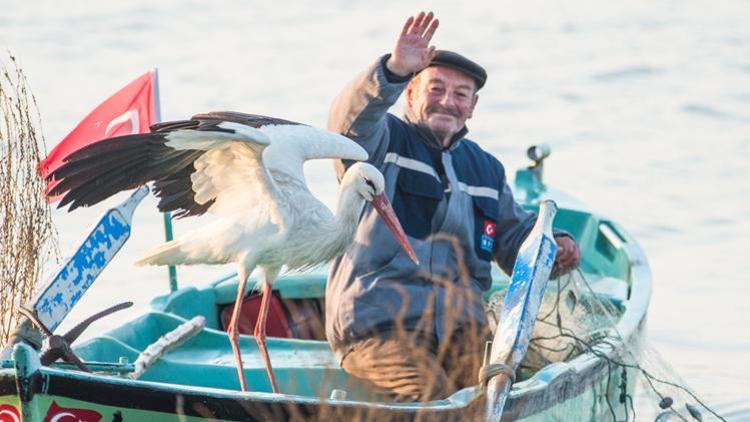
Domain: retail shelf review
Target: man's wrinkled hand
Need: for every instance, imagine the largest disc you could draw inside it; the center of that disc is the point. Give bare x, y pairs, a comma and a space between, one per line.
413, 52
568, 256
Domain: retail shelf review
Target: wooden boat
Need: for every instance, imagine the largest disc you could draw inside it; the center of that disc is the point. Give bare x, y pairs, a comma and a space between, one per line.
197, 380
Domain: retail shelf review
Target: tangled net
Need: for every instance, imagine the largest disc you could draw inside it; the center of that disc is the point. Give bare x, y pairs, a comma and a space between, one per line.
572, 320
27, 235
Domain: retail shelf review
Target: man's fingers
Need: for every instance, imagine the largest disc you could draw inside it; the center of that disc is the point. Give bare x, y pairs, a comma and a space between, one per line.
565, 262
425, 24
428, 55
417, 23
563, 256
431, 53
422, 24
431, 30
407, 25
567, 253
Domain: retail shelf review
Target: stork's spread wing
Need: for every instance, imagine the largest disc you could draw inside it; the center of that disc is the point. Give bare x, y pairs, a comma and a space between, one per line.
167, 156
215, 161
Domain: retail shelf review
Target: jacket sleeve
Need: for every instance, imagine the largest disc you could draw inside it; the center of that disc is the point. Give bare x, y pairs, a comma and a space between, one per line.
359, 111
513, 225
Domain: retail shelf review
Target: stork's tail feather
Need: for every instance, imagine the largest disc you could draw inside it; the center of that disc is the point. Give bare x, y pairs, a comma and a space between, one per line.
169, 253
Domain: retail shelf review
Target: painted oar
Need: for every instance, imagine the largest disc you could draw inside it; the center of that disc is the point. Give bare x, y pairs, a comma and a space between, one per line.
79, 272
530, 275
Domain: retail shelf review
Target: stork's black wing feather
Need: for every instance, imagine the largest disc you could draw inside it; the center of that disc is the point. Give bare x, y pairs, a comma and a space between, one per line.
176, 194
174, 125
102, 169
252, 120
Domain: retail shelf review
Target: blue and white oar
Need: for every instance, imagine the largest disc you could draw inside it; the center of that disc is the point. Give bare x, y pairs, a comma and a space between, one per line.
79, 272
530, 275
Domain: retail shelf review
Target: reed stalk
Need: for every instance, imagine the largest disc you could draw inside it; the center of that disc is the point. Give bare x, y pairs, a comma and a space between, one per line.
28, 239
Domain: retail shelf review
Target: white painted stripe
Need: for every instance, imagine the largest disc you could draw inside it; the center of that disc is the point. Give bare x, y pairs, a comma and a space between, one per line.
479, 191
410, 164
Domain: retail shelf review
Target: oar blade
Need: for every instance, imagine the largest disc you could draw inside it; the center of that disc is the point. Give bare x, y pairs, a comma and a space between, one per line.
78, 273
525, 292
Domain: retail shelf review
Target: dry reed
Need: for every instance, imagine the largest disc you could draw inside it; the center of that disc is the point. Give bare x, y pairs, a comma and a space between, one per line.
27, 235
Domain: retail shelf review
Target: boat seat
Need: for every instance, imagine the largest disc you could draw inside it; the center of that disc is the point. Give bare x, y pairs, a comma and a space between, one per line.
302, 319
277, 324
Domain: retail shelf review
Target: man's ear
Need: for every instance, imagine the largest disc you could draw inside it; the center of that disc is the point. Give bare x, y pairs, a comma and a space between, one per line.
409, 93
473, 104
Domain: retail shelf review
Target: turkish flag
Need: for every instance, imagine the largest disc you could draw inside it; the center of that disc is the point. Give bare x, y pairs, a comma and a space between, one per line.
57, 413
9, 413
129, 111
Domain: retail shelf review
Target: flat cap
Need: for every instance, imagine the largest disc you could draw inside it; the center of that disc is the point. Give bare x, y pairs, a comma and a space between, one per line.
456, 61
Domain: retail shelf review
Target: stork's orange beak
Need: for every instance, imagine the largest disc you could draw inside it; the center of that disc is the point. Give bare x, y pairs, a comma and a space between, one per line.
385, 210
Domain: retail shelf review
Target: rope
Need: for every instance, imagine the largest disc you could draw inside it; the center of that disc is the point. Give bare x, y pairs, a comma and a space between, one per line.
490, 370
165, 344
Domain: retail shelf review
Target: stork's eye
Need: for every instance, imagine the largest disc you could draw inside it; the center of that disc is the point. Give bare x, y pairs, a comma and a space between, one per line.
370, 184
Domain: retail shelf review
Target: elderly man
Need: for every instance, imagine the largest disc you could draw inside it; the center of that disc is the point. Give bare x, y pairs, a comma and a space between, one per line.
416, 332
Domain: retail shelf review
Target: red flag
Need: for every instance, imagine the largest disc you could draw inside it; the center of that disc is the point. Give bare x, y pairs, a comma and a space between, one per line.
130, 110
57, 413
9, 413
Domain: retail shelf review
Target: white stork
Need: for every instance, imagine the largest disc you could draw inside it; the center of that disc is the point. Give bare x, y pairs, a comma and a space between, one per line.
247, 170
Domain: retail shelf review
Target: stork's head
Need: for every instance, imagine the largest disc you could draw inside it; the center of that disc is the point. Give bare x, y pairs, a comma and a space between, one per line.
366, 179
370, 184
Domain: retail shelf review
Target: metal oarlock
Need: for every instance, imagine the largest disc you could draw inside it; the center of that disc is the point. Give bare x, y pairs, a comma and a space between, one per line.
56, 347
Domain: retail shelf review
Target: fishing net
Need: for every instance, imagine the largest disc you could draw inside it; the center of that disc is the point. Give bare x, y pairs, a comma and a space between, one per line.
574, 319
567, 313
27, 236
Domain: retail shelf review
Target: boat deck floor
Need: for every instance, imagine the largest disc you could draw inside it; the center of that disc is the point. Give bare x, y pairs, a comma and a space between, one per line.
302, 367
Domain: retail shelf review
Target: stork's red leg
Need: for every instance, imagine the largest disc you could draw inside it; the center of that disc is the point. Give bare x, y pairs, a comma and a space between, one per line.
260, 335
234, 334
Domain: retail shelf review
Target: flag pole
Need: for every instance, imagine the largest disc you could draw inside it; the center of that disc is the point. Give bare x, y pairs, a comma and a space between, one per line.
167, 215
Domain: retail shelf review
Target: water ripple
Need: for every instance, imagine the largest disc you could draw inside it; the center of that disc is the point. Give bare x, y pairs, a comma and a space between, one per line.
711, 112
735, 410
625, 73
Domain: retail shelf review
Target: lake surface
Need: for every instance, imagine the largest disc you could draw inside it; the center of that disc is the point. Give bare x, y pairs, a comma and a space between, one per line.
646, 106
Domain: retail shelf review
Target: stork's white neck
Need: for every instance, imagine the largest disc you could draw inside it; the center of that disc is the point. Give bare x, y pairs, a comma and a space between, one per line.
330, 237
348, 210
292, 145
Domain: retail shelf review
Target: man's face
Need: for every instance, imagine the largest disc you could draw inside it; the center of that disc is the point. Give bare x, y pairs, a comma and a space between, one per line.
442, 99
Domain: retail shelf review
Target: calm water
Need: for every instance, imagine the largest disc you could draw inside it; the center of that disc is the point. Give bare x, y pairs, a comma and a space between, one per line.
646, 106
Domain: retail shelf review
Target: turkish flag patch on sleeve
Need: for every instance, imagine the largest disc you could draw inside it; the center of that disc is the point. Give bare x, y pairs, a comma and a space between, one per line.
487, 241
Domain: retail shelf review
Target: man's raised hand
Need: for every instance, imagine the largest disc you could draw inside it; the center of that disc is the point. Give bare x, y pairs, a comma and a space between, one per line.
568, 256
413, 52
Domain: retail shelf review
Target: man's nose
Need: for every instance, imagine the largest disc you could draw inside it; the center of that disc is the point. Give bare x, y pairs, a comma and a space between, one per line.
447, 98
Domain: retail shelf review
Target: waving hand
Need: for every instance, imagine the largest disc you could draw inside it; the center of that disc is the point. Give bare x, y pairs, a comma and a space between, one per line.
413, 52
